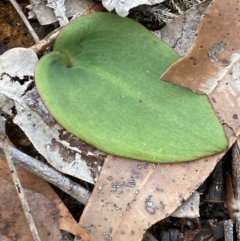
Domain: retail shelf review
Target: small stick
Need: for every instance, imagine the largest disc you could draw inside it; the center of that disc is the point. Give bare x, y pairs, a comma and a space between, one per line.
25, 20
49, 174
236, 168
46, 42
18, 186
50, 38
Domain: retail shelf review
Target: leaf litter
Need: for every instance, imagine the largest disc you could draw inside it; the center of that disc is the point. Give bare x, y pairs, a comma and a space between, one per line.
53, 216
212, 64
62, 151
149, 201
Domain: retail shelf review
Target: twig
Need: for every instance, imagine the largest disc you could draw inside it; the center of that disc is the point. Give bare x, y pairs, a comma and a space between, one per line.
50, 38
176, 7
49, 174
25, 20
46, 42
236, 168
18, 186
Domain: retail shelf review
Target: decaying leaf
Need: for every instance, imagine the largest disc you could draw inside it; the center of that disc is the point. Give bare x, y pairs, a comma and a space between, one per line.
59, 10
63, 151
13, 223
45, 15
190, 208
117, 211
122, 7
16, 76
130, 196
60, 148
102, 85
212, 64
6, 105
49, 212
181, 32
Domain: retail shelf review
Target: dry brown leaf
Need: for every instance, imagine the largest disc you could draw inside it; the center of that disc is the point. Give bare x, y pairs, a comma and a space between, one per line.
38, 188
212, 65
13, 223
130, 195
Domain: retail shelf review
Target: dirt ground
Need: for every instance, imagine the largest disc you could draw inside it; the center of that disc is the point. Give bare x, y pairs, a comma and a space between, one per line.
13, 32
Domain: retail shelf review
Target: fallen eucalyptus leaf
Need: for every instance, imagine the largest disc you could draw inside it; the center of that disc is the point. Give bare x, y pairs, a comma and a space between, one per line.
181, 32
45, 14
16, 76
212, 65
189, 208
6, 105
122, 7
101, 84
130, 196
59, 9
12, 215
55, 215
51, 143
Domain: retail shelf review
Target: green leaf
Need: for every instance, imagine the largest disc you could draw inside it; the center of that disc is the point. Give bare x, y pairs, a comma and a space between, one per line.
102, 84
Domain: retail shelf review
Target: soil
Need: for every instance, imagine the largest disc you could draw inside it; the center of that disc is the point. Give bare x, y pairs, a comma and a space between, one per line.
13, 32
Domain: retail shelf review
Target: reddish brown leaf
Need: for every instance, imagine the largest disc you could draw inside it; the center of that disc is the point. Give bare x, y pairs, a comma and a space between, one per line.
13, 223
130, 195
39, 193
212, 64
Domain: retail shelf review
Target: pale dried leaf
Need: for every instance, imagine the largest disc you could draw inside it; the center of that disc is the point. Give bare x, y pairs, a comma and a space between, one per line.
16, 72
45, 15
212, 64
59, 9
181, 32
122, 7
61, 149
51, 143
190, 208
6, 105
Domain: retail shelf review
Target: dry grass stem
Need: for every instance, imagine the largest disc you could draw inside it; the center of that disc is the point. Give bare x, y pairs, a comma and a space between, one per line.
19, 187
25, 20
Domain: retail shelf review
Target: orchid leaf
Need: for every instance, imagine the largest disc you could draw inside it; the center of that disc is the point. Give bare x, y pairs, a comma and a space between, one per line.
101, 83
